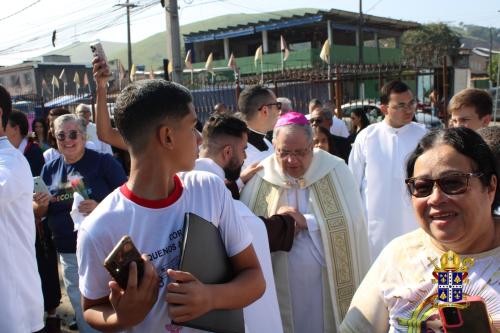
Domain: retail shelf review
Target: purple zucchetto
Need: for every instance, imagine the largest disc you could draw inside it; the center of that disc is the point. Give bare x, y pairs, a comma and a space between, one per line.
290, 118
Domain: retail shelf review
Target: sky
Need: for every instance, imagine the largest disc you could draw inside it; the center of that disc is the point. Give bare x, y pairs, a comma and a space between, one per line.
27, 25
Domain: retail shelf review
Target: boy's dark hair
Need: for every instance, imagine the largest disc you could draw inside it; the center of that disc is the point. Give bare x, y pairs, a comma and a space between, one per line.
219, 126
145, 104
5, 104
18, 118
395, 86
251, 99
479, 99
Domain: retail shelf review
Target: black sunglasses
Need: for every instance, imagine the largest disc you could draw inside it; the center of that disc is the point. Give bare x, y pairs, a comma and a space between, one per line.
72, 135
450, 184
278, 105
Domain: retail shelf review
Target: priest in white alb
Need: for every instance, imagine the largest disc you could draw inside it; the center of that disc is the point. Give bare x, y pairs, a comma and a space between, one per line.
316, 280
377, 161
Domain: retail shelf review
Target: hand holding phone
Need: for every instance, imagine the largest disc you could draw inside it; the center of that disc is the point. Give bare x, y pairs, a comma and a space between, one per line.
473, 318
39, 185
98, 51
102, 63
118, 261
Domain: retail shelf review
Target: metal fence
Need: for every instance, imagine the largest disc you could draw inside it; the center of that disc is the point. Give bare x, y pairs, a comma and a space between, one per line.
340, 82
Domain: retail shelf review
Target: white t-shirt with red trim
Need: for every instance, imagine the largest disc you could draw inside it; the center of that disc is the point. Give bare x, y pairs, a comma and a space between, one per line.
156, 229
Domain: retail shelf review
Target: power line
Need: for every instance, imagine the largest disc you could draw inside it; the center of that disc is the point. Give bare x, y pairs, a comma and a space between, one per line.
20, 11
66, 35
375, 5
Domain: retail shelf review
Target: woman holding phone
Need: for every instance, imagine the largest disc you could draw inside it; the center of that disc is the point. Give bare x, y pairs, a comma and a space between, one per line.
453, 184
77, 169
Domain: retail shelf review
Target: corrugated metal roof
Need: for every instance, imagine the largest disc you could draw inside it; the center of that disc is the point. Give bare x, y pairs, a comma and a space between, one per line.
306, 17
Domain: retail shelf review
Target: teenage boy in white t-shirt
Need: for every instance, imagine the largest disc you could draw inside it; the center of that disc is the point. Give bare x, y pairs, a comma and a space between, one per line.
157, 120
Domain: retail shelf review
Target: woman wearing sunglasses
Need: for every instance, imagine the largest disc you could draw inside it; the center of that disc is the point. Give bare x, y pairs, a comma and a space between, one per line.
78, 169
53, 152
453, 184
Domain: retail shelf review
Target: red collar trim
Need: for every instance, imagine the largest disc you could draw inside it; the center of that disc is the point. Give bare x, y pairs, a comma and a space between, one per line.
156, 204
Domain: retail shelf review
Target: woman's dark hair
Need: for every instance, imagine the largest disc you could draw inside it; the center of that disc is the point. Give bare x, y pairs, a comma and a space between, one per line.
465, 141
45, 128
18, 118
319, 129
361, 114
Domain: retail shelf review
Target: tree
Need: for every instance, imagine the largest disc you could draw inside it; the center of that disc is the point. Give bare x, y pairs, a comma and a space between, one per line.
494, 67
428, 44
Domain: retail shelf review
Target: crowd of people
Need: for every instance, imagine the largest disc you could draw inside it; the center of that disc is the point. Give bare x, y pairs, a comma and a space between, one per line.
326, 229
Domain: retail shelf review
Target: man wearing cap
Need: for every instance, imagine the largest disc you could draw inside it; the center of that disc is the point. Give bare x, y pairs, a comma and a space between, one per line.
316, 280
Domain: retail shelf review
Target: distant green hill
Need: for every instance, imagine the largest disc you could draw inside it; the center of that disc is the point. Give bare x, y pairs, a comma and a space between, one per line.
80, 51
152, 50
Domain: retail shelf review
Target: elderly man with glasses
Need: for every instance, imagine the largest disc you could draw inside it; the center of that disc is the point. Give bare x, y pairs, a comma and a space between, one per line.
377, 162
317, 278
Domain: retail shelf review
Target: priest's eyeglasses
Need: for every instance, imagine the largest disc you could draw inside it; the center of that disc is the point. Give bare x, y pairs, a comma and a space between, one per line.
452, 184
72, 135
402, 106
282, 153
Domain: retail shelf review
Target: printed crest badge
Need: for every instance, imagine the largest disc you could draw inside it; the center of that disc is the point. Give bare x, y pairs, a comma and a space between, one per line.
450, 278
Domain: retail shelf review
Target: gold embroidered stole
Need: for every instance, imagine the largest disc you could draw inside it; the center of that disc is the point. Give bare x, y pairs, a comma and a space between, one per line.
338, 277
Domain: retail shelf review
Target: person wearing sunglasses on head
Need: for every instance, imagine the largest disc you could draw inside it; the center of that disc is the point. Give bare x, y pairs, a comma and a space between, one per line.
79, 170
377, 162
453, 185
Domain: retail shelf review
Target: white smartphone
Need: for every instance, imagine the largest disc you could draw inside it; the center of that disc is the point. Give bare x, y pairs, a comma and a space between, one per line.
98, 51
40, 186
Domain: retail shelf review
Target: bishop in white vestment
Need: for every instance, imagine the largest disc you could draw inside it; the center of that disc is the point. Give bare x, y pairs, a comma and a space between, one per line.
316, 280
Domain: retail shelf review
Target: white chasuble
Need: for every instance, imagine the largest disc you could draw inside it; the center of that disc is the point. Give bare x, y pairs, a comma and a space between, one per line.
316, 280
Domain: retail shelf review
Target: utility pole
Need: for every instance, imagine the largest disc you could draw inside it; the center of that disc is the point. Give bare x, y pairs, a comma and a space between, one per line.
360, 33
173, 39
129, 43
490, 72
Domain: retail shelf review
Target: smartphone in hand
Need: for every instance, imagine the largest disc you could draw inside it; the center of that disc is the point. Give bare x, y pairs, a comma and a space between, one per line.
39, 185
473, 318
118, 261
98, 51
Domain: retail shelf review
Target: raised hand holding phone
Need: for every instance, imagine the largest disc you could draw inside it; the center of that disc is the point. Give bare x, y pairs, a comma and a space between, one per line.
100, 62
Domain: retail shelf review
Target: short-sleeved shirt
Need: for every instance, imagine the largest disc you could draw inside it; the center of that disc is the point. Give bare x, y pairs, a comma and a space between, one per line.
398, 294
100, 173
156, 229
